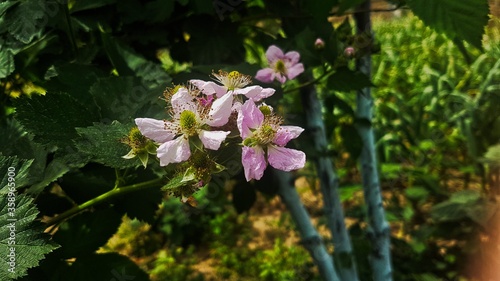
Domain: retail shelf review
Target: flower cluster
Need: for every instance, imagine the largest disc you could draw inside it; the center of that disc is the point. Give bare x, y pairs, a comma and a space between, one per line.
204, 114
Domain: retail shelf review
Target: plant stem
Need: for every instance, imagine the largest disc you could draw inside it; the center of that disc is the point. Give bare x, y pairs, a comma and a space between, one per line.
329, 184
310, 237
378, 228
103, 198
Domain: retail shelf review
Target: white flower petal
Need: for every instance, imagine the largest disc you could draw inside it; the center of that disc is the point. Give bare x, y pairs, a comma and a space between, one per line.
212, 139
182, 100
154, 129
255, 93
174, 151
209, 87
220, 111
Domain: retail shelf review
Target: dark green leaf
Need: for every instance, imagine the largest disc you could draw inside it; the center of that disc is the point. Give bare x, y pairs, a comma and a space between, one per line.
4, 6
52, 118
17, 167
463, 19
351, 140
88, 182
28, 19
21, 237
120, 98
346, 80
103, 144
128, 63
86, 232
105, 267
82, 5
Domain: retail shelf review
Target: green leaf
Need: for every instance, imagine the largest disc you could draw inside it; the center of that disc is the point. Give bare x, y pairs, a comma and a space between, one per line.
4, 6
52, 118
457, 207
82, 5
21, 236
6, 61
105, 267
27, 20
9, 165
128, 63
352, 140
88, 182
416, 193
86, 232
492, 156
54, 170
103, 144
121, 98
347, 192
464, 19
346, 80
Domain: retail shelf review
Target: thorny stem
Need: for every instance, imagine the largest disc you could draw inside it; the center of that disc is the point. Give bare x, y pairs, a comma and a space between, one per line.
115, 192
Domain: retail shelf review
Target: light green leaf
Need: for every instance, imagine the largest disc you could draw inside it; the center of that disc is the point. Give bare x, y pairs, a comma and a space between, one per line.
464, 19
6, 61
103, 144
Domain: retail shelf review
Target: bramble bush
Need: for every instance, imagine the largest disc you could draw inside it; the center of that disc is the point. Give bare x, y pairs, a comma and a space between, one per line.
88, 137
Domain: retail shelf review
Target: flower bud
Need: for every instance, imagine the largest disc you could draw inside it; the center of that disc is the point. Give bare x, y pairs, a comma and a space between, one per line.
349, 52
319, 44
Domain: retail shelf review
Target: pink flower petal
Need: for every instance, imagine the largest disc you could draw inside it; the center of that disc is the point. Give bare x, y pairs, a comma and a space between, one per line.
254, 162
220, 111
249, 117
209, 87
285, 159
292, 57
174, 151
212, 139
265, 75
274, 53
295, 70
154, 129
286, 133
255, 93
280, 77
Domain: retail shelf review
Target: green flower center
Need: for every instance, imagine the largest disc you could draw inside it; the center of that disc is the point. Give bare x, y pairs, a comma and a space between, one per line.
188, 122
280, 66
264, 135
266, 110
